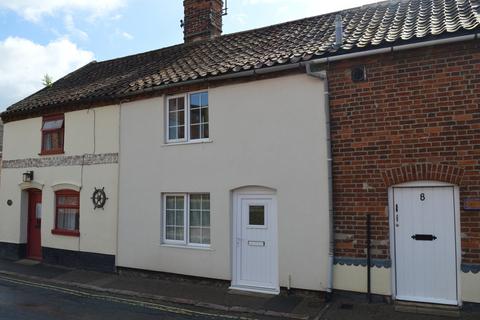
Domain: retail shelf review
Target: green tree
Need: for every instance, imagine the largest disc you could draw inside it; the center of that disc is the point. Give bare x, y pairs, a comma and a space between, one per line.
47, 81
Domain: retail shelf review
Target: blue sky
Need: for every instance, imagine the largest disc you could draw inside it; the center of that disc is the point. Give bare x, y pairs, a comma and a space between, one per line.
59, 36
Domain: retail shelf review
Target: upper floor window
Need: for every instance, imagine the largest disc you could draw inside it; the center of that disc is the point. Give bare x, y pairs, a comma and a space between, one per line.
67, 212
52, 134
187, 117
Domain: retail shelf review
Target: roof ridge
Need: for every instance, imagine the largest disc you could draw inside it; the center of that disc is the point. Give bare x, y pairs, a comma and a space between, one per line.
373, 25
227, 35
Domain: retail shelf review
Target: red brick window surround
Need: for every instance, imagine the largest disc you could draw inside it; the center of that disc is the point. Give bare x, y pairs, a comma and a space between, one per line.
67, 213
53, 129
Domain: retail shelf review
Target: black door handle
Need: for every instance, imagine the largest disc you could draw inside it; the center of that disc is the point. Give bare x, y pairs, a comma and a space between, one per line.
424, 237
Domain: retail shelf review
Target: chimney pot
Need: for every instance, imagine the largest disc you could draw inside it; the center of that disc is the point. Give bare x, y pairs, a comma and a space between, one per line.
202, 19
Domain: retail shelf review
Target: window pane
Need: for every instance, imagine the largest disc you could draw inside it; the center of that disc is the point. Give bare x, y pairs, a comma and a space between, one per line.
179, 233
52, 140
170, 233
206, 235
195, 116
170, 202
47, 141
256, 215
67, 219
172, 104
195, 216
179, 218
195, 100
195, 201
205, 130
181, 132
195, 235
199, 219
204, 99
195, 131
181, 103
205, 218
67, 200
173, 119
172, 133
53, 124
204, 116
170, 218
206, 201
179, 202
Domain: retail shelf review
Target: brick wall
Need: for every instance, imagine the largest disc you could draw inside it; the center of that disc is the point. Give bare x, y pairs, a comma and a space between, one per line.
202, 19
417, 117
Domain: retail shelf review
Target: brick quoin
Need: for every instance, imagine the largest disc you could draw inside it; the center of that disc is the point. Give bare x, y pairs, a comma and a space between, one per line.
417, 117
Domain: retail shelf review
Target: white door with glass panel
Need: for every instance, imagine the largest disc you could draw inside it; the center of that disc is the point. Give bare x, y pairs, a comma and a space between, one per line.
425, 244
255, 244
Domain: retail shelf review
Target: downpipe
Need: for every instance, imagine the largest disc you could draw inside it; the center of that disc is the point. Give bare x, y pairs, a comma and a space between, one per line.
331, 248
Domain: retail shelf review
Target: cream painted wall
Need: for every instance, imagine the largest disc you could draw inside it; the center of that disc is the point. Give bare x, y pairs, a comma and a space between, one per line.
354, 278
97, 227
22, 139
269, 133
470, 287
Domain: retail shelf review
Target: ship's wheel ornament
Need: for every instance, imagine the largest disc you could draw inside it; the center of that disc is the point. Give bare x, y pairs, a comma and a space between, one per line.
99, 198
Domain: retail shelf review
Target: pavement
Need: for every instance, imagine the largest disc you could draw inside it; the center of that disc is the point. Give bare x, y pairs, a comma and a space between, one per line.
173, 290
30, 290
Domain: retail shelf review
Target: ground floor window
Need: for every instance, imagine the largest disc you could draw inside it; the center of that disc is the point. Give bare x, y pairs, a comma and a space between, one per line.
67, 212
187, 219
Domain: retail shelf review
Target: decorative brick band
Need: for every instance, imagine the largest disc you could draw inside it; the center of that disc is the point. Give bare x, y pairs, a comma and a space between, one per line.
423, 171
473, 268
348, 261
57, 161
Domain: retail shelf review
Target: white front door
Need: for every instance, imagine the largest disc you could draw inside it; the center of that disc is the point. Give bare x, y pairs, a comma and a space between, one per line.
255, 257
425, 244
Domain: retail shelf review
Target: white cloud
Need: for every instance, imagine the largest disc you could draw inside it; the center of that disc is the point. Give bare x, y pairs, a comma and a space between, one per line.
34, 10
127, 35
72, 29
309, 7
24, 63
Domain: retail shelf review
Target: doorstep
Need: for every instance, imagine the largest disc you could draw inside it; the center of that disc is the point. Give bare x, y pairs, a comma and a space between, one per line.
427, 308
203, 294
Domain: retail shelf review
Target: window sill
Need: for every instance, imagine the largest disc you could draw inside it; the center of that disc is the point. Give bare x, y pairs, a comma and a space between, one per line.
179, 246
168, 144
51, 153
68, 233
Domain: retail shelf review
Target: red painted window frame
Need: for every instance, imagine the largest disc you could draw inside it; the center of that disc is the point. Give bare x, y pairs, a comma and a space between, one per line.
62, 131
63, 232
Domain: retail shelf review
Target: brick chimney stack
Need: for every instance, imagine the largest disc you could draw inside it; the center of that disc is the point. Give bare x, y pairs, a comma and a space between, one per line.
202, 20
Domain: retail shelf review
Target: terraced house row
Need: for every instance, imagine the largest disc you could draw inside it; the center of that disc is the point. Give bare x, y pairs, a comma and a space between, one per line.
259, 157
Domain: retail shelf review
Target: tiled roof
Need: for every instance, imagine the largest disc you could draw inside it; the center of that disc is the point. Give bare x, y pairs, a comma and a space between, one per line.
365, 27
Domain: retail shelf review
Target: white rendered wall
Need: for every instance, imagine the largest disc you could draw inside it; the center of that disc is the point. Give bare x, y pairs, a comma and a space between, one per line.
267, 133
22, 140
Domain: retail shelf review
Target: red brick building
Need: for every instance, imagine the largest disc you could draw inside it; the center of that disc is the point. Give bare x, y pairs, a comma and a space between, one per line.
416, 117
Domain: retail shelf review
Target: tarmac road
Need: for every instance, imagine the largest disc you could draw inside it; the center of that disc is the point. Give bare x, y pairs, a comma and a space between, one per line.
25, 300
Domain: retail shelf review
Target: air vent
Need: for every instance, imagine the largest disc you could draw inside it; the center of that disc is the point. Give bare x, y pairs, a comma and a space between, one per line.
359, 73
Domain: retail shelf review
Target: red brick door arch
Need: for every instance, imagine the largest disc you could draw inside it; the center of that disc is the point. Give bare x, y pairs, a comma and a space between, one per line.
423, 172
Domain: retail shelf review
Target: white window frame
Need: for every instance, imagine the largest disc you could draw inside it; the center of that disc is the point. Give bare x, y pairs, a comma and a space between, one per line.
186, 221
167, 119
187, 138
164, 219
